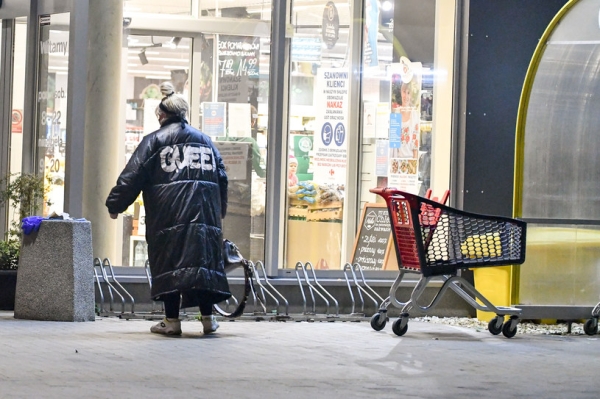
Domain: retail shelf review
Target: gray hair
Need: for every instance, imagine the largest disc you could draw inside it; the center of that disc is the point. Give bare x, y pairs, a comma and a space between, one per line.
172, 103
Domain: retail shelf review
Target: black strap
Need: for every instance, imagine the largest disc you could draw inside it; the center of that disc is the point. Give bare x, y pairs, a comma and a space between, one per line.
248, 288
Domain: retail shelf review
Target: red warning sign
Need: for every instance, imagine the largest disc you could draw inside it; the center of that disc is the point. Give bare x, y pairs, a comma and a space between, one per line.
17, 121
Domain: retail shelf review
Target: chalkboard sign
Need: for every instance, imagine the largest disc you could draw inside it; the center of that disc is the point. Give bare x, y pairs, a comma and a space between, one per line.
372, 238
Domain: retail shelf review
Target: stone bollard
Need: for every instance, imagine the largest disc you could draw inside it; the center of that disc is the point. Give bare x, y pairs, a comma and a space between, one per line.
55, 278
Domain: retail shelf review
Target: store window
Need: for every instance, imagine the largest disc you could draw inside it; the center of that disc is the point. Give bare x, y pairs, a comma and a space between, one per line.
234, 114
18, 101
318, 133
408, 58
53, 70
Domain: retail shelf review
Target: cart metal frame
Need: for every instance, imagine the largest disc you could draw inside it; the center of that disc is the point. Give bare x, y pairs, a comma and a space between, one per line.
437, 241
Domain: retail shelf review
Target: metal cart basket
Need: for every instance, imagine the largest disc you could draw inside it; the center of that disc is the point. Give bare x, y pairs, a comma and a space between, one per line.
436, 241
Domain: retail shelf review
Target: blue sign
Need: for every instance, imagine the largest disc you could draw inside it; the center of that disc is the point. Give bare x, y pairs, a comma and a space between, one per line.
340, 134
327, 133
213, 119
395, 130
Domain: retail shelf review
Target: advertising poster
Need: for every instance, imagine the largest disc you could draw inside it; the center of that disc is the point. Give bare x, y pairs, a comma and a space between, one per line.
213, 119
331, 126
238, 68
405, 125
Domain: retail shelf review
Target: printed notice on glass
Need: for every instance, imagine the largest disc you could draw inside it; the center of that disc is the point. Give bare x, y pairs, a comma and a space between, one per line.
213, 119
236, 158
381, 158
331, 126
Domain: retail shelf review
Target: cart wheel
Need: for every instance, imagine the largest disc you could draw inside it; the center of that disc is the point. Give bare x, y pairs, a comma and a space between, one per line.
396, 328
492, 326
591, 327
376, 324
507, 331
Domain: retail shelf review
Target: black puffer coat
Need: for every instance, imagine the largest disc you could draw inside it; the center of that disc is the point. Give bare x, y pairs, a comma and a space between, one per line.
184, 185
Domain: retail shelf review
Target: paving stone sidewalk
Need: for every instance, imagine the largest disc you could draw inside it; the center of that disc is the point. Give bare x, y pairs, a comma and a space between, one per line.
112, 358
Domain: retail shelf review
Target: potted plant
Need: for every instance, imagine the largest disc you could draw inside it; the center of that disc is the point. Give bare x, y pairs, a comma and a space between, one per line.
24, 194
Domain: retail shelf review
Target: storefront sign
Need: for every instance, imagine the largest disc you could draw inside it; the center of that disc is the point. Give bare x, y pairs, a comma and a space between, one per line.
331, 133
331, 25
213, 119
373, 237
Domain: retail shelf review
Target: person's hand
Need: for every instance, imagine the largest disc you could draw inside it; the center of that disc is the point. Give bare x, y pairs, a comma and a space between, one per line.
114, 215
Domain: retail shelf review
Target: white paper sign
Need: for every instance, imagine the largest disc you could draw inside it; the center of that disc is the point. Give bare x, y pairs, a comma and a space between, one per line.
240, 120
331, 126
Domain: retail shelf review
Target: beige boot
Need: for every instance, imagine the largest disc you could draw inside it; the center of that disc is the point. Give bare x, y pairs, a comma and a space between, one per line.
210, 324
167, 327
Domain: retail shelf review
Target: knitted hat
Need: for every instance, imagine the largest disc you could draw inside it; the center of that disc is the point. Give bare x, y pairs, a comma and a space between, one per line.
292, 160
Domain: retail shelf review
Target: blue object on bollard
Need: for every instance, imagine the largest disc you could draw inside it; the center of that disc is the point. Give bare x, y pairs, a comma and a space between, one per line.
31, 224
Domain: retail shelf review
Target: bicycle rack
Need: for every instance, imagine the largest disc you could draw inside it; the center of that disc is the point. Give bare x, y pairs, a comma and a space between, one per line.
347, 267
316, 282
261, 266
255, 296
106, 263
111, 288
364, 288
313, 289
98, 262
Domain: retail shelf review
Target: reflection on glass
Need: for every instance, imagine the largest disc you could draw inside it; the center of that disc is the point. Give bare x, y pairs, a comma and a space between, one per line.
561, 267
52, 108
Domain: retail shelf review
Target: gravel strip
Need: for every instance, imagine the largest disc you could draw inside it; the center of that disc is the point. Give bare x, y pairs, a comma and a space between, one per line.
525, 327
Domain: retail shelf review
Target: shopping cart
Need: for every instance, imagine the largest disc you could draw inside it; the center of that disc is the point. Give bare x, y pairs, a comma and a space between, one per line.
437, 241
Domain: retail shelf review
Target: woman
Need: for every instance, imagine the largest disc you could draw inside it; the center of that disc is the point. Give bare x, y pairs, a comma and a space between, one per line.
410, 123
184, 185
